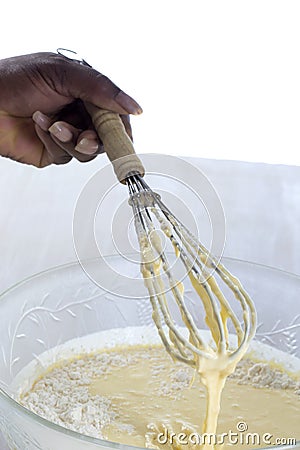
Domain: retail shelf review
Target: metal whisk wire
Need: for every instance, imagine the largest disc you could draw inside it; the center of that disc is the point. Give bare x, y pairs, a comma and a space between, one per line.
147, 206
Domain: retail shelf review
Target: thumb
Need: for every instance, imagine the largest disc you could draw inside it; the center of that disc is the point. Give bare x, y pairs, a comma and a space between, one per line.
91, 86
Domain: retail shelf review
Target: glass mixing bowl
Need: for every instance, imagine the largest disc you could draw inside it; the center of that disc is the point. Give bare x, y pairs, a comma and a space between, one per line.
62, 303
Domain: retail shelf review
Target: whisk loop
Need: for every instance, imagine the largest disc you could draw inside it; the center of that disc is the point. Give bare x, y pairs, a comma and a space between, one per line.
147, 206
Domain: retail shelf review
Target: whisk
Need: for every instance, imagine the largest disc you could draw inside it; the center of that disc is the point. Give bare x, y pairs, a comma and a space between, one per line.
200, 266
213, 359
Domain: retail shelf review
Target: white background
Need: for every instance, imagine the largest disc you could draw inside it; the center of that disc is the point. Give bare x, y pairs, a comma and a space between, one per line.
217, 80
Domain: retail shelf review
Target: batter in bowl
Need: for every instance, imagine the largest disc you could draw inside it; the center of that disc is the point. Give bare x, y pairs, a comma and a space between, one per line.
137, 395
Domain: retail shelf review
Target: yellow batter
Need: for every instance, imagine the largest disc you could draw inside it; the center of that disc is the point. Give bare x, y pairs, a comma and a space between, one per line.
153, 397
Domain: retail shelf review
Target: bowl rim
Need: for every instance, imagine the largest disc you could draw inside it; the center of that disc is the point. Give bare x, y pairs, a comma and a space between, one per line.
114, 255
75, 434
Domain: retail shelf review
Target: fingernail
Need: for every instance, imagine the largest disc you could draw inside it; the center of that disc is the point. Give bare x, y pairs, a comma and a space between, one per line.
41, 120
130, 105
62, 133
88, 146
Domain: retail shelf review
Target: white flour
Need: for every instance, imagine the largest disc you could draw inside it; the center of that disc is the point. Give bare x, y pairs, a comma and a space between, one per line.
262, 375
63, 395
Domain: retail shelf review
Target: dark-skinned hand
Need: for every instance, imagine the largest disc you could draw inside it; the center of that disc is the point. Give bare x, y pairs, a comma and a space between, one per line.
43, 120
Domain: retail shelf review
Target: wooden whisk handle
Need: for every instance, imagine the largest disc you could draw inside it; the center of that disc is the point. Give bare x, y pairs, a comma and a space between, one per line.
117, 144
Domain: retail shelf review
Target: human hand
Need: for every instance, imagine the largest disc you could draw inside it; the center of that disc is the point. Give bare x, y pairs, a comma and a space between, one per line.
43, 120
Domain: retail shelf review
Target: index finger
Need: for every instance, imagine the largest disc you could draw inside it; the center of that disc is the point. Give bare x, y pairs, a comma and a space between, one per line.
89, 85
